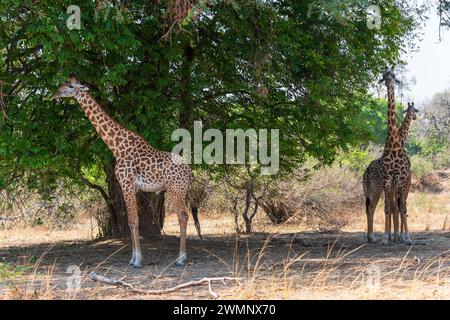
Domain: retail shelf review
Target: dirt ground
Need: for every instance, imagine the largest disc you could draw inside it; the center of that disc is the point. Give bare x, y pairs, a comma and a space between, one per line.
302, 265
284, 262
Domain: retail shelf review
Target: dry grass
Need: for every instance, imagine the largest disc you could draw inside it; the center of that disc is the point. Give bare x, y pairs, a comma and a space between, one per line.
277, 262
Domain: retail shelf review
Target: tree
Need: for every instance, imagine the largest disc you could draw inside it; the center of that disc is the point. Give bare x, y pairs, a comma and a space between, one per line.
444, 12
431, 137
246, 64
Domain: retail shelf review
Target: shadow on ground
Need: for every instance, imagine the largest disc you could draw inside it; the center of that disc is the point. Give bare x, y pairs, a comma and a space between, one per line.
214, 257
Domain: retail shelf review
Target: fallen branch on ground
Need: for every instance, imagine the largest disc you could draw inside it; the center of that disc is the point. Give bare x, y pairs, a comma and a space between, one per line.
121, 283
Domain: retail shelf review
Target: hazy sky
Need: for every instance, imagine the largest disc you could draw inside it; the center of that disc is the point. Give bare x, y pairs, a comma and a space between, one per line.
430, 66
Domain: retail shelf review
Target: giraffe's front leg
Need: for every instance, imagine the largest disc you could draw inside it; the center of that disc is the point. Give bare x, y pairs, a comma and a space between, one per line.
136, 257
133, 223
387, 219
406, 238
129, 194
179, 207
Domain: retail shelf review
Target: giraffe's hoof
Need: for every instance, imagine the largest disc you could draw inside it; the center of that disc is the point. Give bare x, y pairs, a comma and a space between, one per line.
386, 239
181, 261
371, 238
136, 265
407, 239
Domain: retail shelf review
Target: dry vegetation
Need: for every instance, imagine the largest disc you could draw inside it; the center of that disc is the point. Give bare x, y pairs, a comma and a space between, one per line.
288, 261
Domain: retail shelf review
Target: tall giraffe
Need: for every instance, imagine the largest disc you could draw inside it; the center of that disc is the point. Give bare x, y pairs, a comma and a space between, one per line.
139, 166
396, 170
373, 176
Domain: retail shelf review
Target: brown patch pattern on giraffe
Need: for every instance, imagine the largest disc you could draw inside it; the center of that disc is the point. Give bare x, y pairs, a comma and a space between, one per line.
139, 166
396, 171
373, 176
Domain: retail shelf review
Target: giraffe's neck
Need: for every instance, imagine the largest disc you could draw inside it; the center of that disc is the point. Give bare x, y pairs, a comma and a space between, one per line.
109, 130
392, 141
404, 129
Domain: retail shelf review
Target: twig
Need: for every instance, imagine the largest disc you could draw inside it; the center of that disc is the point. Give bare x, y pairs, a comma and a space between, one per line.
121, 283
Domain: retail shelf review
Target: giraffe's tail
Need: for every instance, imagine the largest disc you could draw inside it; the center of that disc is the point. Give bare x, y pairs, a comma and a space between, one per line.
194, 211
367, 204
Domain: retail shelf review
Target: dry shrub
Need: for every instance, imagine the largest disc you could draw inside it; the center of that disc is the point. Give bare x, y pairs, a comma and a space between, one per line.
56, 209
277, 209
431, 182
323, 200
200, 192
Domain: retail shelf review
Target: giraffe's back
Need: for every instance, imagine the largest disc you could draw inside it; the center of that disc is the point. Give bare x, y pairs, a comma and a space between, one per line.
158, 170
373, 178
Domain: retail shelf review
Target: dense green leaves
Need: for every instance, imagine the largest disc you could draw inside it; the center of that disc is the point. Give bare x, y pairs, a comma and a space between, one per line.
247, 64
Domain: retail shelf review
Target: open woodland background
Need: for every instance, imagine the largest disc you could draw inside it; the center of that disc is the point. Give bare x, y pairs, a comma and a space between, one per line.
161, 65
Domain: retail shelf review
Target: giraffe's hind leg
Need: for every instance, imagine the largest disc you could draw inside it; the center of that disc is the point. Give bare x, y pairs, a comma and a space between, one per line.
178, 205
388, 207
371, 205
182, 220
403, 196
395, 216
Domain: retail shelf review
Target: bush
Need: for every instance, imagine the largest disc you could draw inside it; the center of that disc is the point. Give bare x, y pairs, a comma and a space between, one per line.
357, 159
421, 166
322, 199
56, 209
442, 160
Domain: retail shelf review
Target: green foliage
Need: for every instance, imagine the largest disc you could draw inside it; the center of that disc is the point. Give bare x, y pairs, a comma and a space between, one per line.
429, 140
421, 166
426, 146
356, 159
9, 272
250, 65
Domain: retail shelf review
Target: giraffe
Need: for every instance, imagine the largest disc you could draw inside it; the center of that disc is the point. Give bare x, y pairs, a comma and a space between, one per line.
139, 166
373, 176
396, 170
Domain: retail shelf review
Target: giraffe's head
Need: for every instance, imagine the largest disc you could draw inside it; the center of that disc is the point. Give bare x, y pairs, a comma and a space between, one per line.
389, 77
412, 110
70, 88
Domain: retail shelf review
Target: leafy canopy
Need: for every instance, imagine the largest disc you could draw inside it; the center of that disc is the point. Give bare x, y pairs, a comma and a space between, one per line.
248, 64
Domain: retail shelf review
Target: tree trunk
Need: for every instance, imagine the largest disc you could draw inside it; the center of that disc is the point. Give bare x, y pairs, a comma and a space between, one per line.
151, 209
248, 225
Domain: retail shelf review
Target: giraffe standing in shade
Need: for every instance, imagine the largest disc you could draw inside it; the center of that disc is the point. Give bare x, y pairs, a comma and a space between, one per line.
373, 176
139, 166
396, 170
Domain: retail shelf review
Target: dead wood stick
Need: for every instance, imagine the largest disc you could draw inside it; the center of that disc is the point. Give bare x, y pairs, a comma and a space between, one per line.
120, 282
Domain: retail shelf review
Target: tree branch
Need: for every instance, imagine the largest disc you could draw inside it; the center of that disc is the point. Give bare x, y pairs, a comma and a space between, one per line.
121, 283
95, 187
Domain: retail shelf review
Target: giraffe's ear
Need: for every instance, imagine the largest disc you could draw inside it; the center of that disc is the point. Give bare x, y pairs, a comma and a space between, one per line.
83, 88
